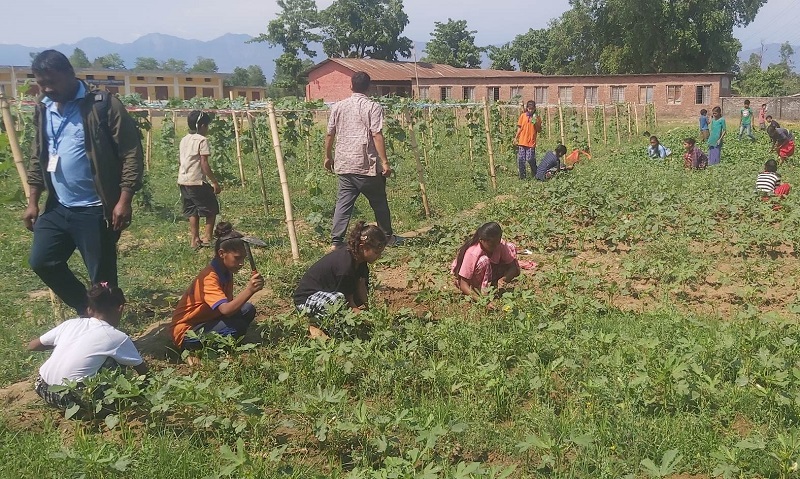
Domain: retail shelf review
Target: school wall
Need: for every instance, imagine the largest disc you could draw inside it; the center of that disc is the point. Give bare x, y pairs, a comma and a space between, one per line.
330, 83
781, 108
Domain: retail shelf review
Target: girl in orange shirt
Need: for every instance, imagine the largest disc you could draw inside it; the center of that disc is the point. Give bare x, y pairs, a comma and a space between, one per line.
528, 126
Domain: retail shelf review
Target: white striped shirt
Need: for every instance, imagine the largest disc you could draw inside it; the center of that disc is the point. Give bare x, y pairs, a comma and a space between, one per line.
767, 181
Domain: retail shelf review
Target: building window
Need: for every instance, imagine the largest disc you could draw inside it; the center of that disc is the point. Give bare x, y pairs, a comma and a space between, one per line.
469, 92
385, 91
645, 94
590, 95
516, 92
189, 79
617, 94
30, 75
565, 95
140, 78
540, 95
673, 94
142, 91
90, 77
241, 94
162, 93
159, 78
208, 92
207, 80
424, 92
493, 93
189, 92
702, 95
446, 92
112, 77
256, 95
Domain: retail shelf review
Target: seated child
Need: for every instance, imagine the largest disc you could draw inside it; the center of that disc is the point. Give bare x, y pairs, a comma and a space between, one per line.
82, 346
693, 158
769, 183
341, 275
782, 142
209, 305
485, 260
551, 163
656, 149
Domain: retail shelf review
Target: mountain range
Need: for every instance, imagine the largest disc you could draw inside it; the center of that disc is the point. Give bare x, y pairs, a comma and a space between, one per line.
772, 54
229, 51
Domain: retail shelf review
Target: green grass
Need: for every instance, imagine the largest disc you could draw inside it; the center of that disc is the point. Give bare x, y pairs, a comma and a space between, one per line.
607, 361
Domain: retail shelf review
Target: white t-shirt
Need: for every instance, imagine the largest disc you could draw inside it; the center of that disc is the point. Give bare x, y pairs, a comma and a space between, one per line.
82, 345
192, 147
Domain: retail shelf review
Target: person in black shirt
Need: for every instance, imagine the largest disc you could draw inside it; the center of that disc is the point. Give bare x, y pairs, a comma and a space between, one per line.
341, 275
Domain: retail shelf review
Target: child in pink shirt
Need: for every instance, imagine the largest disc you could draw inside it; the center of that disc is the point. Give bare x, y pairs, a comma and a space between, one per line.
485, 260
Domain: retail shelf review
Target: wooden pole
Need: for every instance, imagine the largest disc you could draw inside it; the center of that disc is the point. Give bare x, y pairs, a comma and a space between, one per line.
616, 114
258, 162
636, 114
16, 152
237, 137
489, 148
561, 122
605, 127
287, 199
549, 126
630, 131
148, 142
420, 171
588, 130
655, 118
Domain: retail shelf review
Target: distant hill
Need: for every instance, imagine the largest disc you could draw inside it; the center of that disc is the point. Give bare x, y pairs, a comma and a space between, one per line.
772, 54
229, 51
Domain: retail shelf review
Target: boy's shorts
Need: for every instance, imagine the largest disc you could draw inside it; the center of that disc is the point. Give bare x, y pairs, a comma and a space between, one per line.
199, 200
786, 150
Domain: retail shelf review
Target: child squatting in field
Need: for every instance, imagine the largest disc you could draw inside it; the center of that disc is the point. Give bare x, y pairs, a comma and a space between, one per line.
768, 182
341, 275
194, 174
656, 150
551, 163
485, 260
209, 305
82, 346
693, 157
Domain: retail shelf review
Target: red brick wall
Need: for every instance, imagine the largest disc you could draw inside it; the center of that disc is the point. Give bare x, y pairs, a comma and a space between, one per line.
330, 82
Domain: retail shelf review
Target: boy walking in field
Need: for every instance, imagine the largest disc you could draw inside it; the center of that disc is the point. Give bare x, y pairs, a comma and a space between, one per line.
746, 121
199, 186
528, 126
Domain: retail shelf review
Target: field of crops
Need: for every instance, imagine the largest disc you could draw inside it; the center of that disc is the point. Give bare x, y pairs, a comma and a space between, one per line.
657, 338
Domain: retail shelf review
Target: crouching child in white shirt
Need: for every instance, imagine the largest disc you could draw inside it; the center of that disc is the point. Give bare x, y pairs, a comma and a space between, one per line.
82, 346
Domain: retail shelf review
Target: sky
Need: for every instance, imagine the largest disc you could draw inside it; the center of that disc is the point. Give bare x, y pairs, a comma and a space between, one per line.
496, 21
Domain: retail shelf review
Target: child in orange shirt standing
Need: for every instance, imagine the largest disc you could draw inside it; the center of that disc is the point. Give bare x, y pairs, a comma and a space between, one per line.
528, 126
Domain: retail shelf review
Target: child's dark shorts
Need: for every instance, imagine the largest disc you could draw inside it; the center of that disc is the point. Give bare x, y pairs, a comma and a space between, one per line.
199, 200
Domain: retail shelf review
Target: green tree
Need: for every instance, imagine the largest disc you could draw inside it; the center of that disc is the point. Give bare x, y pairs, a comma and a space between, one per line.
365, 29
527, 52
174, 65
255, 76
452, 44
786, 53
293, 30
239, 77
502, 57
78, 59
204, 65
112, 61
146, 64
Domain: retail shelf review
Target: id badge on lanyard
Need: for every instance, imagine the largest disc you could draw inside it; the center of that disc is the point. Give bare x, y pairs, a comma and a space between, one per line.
52, 163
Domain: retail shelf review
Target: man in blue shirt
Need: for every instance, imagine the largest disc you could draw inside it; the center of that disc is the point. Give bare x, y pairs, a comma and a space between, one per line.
87, 155
551, 163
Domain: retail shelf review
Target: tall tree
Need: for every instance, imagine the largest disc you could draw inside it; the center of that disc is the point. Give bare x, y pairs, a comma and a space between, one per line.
452, 44
293, 30
112, 61
365, 29
146, 64
174, 65
239, 77
78, 59
502, 57
204, 65
786, 54
255, 76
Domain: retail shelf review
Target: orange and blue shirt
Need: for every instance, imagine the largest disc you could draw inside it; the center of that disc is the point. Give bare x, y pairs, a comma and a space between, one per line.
198, 305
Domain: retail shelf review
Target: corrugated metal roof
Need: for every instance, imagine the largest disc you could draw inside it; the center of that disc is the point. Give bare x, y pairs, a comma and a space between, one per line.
381, 70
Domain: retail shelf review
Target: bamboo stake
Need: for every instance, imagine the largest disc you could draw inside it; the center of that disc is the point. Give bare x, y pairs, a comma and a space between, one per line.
561, 122
489, 148
588, 129
420, 171
16, 152
471, 153
148, 142
238, 141
629, 121
655, 118
605, 127
616, 114
636, 114
549, 126
287, 200
258, 162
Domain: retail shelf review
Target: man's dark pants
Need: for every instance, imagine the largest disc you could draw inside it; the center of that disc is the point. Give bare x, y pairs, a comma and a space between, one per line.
56, 235
350, 186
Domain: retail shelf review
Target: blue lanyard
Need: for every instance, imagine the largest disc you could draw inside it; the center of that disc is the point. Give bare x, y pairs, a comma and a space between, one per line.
64, 120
